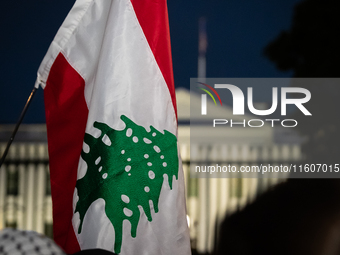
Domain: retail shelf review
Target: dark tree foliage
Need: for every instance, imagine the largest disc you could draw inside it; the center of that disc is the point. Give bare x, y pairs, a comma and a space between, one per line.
311, 48
300, 216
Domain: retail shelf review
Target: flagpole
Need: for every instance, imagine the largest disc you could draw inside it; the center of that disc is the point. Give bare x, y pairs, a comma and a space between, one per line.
17, 125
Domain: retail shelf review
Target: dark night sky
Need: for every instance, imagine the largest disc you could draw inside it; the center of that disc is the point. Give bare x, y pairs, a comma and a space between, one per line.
238, 30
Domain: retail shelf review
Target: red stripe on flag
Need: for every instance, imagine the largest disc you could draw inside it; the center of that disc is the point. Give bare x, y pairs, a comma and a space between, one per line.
66, 116
153, 18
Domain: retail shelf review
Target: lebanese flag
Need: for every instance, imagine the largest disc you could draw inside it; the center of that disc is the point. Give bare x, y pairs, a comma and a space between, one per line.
116, 175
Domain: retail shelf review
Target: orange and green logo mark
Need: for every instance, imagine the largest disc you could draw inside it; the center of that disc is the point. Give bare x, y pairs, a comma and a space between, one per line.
209, 93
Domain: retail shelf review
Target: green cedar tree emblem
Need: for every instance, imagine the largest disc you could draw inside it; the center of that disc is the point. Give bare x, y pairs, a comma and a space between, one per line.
126, 168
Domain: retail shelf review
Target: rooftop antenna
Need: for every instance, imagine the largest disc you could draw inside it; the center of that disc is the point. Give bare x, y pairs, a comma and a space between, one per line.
202, 48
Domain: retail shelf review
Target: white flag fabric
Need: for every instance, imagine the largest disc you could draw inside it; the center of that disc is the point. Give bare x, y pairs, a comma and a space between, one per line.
116, 175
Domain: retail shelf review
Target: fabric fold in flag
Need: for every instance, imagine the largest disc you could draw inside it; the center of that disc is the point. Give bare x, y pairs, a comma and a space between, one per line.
116, 174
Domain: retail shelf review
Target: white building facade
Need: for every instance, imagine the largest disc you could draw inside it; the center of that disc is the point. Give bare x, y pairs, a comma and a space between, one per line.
25, 198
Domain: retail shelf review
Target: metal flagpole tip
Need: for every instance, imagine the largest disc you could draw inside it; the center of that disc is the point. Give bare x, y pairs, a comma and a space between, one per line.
22, 115
14, 241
